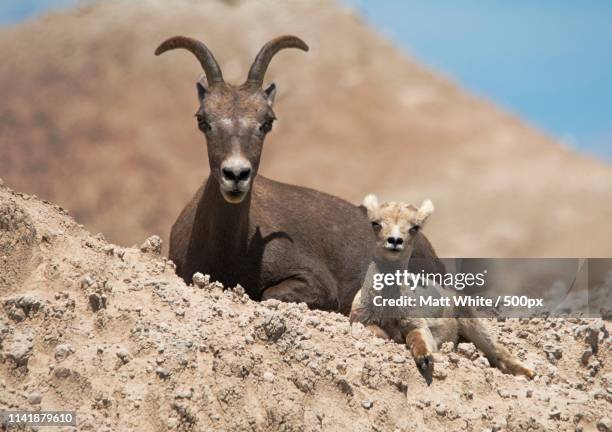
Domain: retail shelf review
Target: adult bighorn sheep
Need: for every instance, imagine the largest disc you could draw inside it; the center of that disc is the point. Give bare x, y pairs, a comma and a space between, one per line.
277, 240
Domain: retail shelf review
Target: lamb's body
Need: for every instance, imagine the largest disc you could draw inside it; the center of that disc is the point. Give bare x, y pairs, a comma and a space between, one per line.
407, 324
424, 336
282, 241
397, 321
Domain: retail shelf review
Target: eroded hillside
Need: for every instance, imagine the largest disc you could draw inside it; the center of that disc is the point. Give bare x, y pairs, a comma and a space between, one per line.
92, 120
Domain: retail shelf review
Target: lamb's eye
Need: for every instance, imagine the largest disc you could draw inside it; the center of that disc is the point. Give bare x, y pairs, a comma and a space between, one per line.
376, 225
413, 230
202, 123
266, 126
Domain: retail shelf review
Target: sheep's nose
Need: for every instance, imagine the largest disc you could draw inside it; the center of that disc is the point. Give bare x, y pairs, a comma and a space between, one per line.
236, 172
395, 241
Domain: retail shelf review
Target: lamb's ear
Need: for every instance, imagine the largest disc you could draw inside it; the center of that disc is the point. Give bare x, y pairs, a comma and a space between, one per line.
426, 209
370, 202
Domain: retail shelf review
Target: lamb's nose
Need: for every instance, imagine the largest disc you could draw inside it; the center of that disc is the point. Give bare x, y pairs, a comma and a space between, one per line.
395, 241
236, 173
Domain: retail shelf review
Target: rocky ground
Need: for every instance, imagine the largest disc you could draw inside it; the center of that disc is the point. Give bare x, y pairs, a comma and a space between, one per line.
111, 333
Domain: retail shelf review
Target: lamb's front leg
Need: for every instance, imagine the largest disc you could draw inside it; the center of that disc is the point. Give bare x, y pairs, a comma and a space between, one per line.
421, 343
360, 314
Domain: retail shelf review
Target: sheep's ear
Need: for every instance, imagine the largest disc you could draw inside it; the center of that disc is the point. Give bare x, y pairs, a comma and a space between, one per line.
202, 90
426, 209
370, 202
270, 93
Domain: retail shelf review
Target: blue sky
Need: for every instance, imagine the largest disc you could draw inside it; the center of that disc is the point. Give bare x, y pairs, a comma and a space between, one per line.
12, 11
549, 62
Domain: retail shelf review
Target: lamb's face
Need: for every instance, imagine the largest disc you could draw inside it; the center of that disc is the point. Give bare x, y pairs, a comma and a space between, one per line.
395, 225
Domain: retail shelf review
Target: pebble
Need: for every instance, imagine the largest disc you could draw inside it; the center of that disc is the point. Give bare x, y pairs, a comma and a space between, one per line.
441, 409
152, 245
447, 347
62, 372
97, 301
367, 403
399, 359
268, 376
503, 393
586, 356
313, 321
554, 413
172, 422
17, 314
344, 386
123, 355
161, 372
274, 327
483, 362
592, 333
439, 373
200, 280
499, 424
466, 349
553, 352
34, 398
183, 394
87, 281
19, 351
604, 425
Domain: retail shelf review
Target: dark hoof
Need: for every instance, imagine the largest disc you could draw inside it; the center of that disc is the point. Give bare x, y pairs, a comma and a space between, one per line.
425, 364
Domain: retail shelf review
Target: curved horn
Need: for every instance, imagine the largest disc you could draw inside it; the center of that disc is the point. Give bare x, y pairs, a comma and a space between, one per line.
260, 65
198, 49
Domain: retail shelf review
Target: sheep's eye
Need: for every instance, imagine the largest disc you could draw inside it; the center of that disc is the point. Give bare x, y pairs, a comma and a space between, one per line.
266, 126
376, 225
413, 230
202, 123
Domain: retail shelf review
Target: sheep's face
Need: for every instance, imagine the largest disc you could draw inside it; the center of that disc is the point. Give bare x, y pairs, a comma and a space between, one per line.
235, 121
395, 225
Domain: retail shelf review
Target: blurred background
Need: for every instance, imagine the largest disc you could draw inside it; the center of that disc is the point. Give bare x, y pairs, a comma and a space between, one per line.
499, 112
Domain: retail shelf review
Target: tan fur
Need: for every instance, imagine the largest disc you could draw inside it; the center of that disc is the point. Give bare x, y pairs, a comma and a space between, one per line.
423, 336
396, 219
277, 240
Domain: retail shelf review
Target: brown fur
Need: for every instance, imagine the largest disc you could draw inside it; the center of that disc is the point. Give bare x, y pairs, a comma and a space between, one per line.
276, 240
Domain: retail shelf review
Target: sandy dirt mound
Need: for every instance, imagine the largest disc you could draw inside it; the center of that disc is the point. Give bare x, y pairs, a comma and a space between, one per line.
113, 334
92, 120
17, 239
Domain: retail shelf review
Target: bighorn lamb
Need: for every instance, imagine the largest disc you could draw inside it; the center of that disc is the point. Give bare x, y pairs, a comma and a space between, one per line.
396, 226
277, 240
